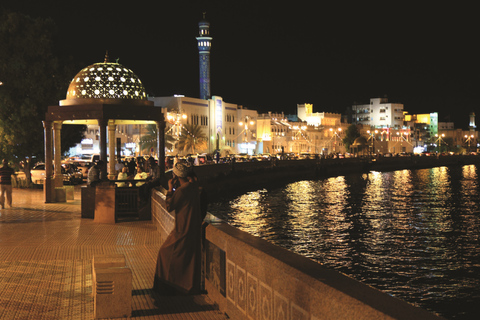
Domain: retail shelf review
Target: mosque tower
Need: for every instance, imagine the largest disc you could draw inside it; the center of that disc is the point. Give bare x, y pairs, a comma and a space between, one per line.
204, 42
472, 125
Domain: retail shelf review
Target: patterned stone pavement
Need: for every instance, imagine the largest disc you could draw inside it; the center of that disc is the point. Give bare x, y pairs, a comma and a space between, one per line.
46, 253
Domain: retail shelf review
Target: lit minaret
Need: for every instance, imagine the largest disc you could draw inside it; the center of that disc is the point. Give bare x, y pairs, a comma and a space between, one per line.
472, 125
204, 42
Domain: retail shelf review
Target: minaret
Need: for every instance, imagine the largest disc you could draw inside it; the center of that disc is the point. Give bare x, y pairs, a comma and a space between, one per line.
472, 125
204, 42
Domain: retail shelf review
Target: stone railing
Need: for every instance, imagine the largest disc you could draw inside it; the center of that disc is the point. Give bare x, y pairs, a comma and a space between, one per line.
163, 220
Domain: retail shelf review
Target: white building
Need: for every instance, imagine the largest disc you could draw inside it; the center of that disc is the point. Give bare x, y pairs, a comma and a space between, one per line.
229, 127
379, 114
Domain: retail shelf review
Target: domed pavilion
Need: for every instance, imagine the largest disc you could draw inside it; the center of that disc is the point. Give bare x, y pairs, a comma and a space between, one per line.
106, 94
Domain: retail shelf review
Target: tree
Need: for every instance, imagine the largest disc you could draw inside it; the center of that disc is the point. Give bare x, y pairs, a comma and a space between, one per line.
149, 139
192, 138
33, 78
351, 134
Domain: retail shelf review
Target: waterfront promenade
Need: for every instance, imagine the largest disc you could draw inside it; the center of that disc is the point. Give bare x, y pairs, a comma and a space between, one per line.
46, 253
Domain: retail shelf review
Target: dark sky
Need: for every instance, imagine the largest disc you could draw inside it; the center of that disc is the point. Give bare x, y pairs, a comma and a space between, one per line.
271, 56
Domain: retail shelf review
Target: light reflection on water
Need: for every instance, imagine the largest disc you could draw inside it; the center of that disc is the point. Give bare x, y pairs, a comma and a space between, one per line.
413, 234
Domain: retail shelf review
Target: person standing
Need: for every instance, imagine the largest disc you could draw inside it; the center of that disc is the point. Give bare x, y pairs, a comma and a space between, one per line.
6, 184
179, 258
94, 174
119, 166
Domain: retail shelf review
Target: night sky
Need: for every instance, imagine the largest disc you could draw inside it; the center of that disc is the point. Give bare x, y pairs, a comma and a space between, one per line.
270, 56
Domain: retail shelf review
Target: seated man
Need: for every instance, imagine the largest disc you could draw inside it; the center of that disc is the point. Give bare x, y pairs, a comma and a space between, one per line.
140, 176
122, 175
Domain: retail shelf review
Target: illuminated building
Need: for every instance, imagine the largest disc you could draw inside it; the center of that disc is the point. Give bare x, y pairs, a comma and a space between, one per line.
305, 113
230, 128
379, 114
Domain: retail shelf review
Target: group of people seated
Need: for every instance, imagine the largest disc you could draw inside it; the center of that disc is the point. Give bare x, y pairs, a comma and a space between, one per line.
94, 174
123, 175
140, 174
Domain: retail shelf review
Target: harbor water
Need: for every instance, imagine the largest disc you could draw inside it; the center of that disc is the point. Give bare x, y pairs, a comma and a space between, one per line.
413, 234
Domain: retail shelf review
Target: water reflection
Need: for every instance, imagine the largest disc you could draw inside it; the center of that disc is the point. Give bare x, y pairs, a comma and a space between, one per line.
413, 234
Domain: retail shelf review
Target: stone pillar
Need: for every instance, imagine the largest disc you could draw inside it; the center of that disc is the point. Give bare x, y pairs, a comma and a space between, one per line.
102, 123
57, 156
48, 185
161, 144
111, 150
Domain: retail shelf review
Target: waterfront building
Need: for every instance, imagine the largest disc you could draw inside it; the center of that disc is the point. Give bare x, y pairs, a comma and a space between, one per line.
305, 113
456, 140
230, 128
424, 127
378, 114
277, 135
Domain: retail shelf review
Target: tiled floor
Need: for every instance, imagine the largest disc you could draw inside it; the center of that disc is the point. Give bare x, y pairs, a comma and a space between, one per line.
46, 253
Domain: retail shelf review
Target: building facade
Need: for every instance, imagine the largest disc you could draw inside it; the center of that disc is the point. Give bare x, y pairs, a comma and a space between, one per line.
378, 114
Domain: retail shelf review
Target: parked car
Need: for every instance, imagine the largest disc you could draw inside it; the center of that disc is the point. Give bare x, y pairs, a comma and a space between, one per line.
38, 175
81, 166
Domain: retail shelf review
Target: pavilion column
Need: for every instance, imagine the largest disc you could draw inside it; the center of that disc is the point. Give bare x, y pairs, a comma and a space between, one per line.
48, 188
57, 156
102, 123
161, 144
111, 149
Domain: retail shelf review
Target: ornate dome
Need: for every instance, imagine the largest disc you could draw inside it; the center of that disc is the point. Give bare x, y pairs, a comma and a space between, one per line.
360, 141
106, 80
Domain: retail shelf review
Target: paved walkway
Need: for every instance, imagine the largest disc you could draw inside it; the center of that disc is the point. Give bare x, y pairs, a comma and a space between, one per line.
46, 253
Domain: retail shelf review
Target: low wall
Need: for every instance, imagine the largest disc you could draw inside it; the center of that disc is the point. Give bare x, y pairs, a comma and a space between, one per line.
250, 278
162, 219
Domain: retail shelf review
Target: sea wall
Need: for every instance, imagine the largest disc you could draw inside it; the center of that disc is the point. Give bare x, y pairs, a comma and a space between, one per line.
238, 178
249, 278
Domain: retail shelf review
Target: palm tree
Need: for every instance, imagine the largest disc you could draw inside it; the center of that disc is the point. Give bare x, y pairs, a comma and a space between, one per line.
149, 139
192, 138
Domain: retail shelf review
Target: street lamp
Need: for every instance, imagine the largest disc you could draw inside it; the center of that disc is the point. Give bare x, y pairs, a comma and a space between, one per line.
174, 119
468, 140
248, 121
439, 140
372, 136
335, 134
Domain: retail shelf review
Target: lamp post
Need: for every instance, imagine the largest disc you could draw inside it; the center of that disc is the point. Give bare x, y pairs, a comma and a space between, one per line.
439, 140
247, 121
335, 134
372, 136
468, 139
175, 121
